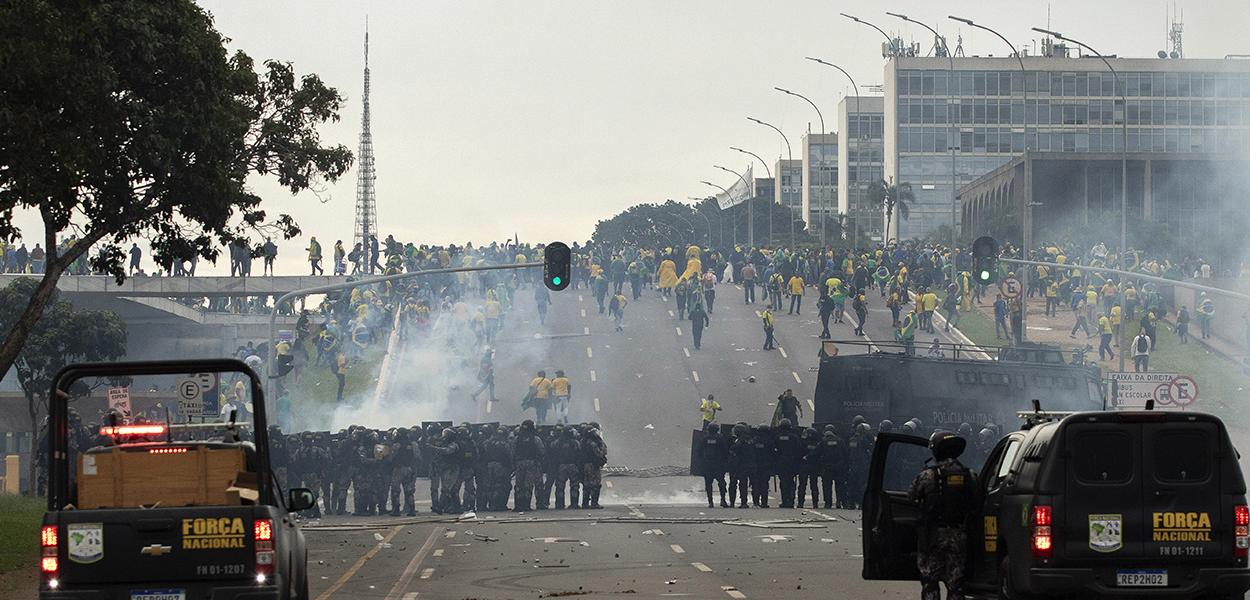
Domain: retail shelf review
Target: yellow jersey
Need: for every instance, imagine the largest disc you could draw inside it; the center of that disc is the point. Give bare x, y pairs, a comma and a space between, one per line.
560, 385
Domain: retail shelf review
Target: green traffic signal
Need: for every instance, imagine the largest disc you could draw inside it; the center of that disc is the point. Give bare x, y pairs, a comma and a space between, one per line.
555, 280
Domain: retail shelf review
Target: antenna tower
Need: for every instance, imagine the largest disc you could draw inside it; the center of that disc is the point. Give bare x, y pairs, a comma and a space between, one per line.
366, 199
1174, 32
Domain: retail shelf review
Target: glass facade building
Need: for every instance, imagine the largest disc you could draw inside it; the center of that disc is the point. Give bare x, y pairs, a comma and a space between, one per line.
860, 163
788, 188
1057, 105
820, 189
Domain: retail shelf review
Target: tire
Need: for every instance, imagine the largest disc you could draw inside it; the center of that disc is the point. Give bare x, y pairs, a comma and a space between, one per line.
1006, 590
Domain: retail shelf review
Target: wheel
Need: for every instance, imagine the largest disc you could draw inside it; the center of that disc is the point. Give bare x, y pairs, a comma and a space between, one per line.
1006, 589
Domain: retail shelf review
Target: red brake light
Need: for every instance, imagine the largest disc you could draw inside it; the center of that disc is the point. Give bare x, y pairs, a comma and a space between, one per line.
1041, 515
48, 565
47, 536
167, 450
263, 530
125, 430
1241, 515
1241, 531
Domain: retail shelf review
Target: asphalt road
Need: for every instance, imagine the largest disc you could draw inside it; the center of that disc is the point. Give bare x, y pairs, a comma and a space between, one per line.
656, 537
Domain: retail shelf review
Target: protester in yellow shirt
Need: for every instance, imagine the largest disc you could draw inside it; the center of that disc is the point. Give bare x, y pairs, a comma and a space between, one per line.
796, 294
563, 391
709, 407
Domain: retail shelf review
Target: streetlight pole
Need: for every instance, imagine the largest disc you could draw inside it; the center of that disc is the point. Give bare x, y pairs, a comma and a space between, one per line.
859, 113
863, 22
750, 212
1026, 216
706, 222
953, 132
1115, 78
822, 135
777, 182
768, 172
735, 224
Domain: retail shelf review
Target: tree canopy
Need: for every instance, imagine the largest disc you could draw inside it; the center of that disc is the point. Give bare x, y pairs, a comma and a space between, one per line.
129, 119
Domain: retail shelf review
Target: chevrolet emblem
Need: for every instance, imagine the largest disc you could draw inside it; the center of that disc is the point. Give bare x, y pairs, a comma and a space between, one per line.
155, 550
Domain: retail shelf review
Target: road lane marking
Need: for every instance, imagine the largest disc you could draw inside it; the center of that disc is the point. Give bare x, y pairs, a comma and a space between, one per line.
677, 549
702, 567
583, 313
758, 314
404, 579
811, 404
608, 483
687, 351
634, 512
586, 330
678, 330
356, 567
581, 298
410, 596
695, 374
733, 592
489, 404
593, 377
427, 573
796, 377
589, 353
672, 314
783, 352
597, 405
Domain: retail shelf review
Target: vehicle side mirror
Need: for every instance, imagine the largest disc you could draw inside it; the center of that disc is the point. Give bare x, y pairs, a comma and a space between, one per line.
301, 499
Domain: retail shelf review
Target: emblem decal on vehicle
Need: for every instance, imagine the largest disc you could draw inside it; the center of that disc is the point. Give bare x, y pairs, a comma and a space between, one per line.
85, 542
1106, 533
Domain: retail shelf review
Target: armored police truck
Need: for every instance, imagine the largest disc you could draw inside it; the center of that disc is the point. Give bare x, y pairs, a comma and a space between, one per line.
173, 507
1141, 504
962, 386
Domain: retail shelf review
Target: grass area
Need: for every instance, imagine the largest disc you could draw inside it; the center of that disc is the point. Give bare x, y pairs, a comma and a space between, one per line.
1223, 387
19, 528
979, 328
319, 386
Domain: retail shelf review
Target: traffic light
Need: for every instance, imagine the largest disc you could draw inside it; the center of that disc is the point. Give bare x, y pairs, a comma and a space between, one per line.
985, 260
557, 266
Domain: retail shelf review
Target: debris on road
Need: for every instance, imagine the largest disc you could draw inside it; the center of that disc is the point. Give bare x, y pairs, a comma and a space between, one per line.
773, 539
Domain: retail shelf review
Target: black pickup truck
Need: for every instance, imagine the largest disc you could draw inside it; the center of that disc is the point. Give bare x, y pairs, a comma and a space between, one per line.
170, 510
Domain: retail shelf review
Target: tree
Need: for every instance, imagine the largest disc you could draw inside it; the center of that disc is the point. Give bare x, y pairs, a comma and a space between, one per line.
891, 198
127, 119
62, 336
671, 224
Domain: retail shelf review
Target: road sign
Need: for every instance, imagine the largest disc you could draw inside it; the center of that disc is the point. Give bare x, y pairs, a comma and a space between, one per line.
192, 390
1010, 288
1166, 389
119, 400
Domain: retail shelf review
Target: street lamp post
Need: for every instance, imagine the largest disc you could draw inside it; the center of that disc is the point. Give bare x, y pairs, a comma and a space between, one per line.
863, 22
859, 113
1026, 216
1115, 79
822, 135
777, 182
735, 224
953, 132
706, 222
750, 211
769, 173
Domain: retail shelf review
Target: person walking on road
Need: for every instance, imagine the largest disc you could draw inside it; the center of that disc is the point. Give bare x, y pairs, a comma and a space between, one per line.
1105, 330
1206, 313
616, 308
748, 283
1141, 353
1000, 318
314, 256
709, 407
767, 318
1182, 326
709, 290
860, 305
796, 294
698, 320
824, 307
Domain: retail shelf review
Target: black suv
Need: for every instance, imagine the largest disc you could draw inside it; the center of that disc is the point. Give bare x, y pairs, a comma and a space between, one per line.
1116, 504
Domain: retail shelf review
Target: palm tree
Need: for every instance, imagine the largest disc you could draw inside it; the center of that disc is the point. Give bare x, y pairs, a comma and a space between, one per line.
891, 198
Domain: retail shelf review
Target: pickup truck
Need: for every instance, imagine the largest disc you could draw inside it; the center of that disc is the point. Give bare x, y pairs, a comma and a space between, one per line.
170, 510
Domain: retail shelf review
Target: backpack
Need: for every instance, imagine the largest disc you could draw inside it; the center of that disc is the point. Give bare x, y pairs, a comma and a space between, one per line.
1142, 343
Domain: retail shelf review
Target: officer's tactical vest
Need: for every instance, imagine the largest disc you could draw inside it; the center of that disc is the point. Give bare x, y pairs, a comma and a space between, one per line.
952, 501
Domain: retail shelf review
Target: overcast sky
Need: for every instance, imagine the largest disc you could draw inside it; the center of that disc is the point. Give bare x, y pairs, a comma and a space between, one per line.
541, 117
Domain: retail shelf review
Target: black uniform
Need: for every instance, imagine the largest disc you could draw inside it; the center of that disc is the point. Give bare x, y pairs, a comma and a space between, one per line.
739, 465
567, 453
830, 460
789, 452
809, 468
497, 456
528, 451
714, 455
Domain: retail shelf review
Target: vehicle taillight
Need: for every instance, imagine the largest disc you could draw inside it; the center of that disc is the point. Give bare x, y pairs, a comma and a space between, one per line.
129, 430
49, 566
262, 536
1043, 541
1241, 530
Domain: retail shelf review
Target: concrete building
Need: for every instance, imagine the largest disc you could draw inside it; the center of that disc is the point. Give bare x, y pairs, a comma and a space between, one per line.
991, 112
820, 185
861, 119
788, 187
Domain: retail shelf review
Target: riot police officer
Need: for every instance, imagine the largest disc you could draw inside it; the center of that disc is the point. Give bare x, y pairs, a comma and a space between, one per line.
404, 458
594, 457
946, 493
528, 451
809, 470
713, 456
762, 459
567, 454
497, 456
830, 459
789, 452
858, 455
738, 462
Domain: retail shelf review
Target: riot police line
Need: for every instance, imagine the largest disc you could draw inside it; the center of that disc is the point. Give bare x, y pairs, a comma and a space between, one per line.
469, 467
824, 462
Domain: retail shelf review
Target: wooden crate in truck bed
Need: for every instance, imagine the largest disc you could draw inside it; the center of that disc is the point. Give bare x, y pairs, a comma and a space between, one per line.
158, 475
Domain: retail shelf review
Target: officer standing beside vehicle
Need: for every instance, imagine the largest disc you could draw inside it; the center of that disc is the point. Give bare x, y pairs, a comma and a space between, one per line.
946, 494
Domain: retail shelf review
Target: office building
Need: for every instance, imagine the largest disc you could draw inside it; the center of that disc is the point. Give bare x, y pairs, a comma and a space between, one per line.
820, 185
788, 188
861, 119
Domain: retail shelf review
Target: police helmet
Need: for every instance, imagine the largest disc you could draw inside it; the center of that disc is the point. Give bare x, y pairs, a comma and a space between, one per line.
784, 424
810, 432
919, 424
829, 428
965, 430
857, 420
741, 430
946, 444
985, 436
885, 426
909, 427
863, 428
527, 425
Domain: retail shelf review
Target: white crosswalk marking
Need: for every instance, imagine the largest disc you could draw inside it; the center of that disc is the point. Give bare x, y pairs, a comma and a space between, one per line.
677, 549
687, 351
695, 375
672, 314
410, 596
581, 298
733, 592
583, 313
586, 330
489, 404
438, 552
811, 404
427, 573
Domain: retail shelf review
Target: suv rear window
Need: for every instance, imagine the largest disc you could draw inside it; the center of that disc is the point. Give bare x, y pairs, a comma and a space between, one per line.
1182, 456
1103, 456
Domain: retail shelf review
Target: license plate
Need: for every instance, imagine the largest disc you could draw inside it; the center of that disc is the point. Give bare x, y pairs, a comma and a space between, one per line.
158, 595
1141, 578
